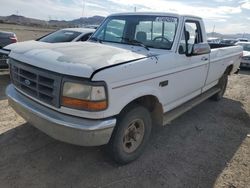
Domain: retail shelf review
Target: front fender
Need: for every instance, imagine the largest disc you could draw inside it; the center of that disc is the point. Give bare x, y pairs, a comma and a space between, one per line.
123, 96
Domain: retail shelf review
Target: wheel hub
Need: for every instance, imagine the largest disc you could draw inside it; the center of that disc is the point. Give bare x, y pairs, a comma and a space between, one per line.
133, 136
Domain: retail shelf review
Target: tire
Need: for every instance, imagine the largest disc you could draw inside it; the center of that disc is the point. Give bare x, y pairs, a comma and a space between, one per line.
223, 86
131, 134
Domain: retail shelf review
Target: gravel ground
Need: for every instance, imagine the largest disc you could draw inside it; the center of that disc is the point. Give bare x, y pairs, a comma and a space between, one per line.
208, 146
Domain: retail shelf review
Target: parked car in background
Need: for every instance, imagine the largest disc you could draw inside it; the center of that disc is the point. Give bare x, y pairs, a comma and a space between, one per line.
229, 41
6, 38
245, 61
68, 35
60, 36
212, 40
242, 39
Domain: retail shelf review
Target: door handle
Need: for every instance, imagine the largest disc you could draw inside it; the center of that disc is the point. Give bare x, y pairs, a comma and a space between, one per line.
204, 59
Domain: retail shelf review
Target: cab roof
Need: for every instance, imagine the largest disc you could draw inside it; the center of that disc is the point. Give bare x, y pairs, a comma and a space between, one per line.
153, 14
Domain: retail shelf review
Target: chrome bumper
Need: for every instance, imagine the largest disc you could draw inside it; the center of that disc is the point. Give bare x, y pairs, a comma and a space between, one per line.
245, 63
73, 130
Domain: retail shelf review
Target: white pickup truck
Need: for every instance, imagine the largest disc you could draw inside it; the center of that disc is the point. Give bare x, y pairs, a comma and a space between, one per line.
138, 70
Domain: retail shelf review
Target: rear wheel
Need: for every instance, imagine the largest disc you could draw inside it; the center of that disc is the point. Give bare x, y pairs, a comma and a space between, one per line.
222, 85
130, 135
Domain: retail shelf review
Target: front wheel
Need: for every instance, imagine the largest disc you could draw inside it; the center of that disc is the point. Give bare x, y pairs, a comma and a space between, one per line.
222, 85
130, 135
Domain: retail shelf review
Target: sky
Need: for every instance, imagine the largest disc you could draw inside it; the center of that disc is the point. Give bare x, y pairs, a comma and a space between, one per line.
228, 16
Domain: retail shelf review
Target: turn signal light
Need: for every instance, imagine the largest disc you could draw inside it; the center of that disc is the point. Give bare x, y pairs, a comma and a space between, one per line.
83, 104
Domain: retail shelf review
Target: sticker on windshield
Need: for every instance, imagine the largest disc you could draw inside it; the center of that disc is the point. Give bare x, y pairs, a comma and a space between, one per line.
165, 19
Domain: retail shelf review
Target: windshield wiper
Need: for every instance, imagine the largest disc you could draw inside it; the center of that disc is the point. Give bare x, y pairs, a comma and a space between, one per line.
133, 41
96, 39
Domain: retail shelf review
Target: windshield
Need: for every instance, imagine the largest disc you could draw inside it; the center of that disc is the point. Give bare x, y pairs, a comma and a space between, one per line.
60, 36
246, 47
150, 31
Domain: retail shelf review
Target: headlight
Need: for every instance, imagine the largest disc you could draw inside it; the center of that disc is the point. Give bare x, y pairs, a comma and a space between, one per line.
84, 96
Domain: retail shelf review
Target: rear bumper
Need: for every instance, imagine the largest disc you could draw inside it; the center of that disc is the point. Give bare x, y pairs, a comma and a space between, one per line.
73, 130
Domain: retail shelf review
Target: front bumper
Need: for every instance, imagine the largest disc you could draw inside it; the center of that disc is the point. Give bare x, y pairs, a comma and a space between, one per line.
245, 63
70, 129
3, 58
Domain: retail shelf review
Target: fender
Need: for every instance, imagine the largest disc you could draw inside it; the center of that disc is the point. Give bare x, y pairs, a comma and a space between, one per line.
133, 94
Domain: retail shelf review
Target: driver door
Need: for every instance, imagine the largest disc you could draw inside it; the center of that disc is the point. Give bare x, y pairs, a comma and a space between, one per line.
190, 78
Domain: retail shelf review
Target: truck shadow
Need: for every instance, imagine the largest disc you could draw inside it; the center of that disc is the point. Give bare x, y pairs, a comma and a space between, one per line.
191, 152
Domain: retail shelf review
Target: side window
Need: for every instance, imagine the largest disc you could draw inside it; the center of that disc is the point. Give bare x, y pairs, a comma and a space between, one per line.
85, 37
157, 33
191, 34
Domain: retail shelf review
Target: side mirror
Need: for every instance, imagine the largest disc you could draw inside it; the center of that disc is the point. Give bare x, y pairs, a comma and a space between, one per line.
201, 48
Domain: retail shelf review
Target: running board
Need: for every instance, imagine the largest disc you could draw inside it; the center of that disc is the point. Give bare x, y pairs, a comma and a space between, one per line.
173, 114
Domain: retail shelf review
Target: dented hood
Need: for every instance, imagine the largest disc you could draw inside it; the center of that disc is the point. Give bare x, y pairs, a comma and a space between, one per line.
76, 58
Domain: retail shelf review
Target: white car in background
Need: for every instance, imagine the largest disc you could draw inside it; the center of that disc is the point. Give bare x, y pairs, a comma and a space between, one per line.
245, 61
242, 39
213, 40
59, 36
68, 35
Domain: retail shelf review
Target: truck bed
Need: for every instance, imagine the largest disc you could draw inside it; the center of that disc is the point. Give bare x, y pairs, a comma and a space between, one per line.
214, 45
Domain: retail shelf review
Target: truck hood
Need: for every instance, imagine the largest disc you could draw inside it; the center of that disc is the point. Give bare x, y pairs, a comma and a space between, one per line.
75, 58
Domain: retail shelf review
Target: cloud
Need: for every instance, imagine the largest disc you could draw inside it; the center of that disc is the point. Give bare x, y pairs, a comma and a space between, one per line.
230, 28
245, 4
221, 13
182, 8
55, 9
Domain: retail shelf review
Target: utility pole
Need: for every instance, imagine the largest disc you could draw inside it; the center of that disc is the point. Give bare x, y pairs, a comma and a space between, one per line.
213, 31
83, 7
134, 9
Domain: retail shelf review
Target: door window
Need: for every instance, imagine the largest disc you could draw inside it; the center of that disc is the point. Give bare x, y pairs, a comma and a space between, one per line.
191, 35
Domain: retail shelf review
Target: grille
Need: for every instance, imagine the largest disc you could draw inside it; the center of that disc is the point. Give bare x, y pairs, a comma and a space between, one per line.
246, 58
35, 82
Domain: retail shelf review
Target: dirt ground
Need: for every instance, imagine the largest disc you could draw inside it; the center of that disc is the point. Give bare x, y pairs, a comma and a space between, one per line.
24, 32
208, 146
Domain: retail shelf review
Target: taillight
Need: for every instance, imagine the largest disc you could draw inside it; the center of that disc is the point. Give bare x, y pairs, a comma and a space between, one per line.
13, 39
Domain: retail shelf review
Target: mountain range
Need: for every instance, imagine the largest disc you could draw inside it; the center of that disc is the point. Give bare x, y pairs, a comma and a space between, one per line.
21, 20
84, 21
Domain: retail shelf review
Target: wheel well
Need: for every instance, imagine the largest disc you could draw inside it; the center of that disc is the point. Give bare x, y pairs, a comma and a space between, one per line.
152, 104
229, 69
